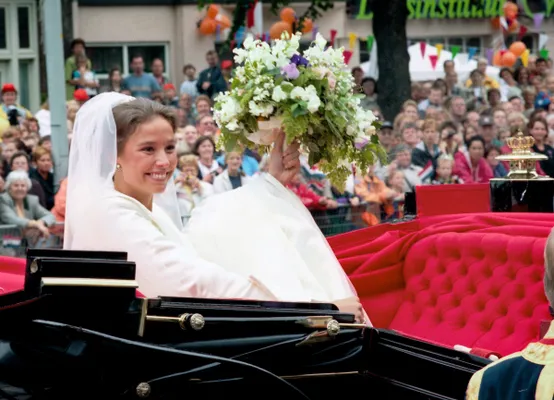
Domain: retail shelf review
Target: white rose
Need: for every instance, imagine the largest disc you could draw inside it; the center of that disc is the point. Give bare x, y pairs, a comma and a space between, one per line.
278, 94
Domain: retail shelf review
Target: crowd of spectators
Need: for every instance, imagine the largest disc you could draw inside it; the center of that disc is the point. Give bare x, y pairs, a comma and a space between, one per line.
448, 132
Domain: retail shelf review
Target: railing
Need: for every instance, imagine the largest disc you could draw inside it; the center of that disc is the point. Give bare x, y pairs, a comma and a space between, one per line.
14, 241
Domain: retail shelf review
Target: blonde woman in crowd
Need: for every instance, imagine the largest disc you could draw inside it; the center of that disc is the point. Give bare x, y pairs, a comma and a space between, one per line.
232, 177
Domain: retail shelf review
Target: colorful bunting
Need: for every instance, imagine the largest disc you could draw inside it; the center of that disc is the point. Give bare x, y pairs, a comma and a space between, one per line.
455, 50
439, 48
369, 43
352, 37
522, 31
333, 36
544, 53
433, 58
472, 51
347, 54
422, 47
537, 19
525, 58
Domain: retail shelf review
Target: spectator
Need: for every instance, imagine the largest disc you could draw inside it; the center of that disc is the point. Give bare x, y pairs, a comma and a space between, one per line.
443, 175
471, 165
205, 125
369, 87
157, 68
538, 129
115, 81
208, 167
170, 95
426, 153
189, 84
84, 77
11, 113
211, 81
191, 191
77, 48
227, 70
42, 159
18, 207
140, 84
20, 162
232, 177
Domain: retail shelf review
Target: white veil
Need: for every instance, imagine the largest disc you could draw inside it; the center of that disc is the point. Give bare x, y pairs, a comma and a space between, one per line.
92, 161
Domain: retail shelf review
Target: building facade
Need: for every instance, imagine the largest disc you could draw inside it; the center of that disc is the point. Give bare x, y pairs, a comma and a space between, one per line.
19, 49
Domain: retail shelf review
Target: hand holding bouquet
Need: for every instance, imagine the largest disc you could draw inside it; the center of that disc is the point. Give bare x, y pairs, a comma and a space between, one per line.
309, 94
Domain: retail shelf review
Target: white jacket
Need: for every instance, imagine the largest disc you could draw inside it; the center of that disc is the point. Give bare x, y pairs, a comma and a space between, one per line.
222, 182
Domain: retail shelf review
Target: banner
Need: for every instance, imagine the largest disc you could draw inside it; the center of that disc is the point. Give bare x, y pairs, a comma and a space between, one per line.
454, 9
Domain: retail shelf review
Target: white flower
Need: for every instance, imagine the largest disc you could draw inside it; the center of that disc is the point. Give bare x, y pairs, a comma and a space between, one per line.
278, 94
312, 98
320, 41
233, 125
298, 93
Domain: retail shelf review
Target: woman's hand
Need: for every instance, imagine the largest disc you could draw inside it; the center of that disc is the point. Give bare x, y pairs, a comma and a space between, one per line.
284, 164
351, 305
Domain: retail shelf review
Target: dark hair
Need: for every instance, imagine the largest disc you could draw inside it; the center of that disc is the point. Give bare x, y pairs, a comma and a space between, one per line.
370, 79
493, 148
113, 70
187, 66
540, 60
476, 138
77, 41
135, 56
534, 120
129, 115
199, 142
506, 70
18, 154
448, 124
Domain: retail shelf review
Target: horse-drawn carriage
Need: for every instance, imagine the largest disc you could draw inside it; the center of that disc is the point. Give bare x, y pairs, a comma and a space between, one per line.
79, 330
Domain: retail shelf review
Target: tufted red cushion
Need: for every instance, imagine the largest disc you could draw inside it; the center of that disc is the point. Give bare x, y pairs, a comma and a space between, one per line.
474, 289
473, 279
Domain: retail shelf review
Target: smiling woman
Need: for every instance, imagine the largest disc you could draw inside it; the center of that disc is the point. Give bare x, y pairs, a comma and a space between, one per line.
256, 242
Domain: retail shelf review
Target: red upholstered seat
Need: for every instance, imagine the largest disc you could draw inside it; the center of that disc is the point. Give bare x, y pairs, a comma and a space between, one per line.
12, 274
473, 280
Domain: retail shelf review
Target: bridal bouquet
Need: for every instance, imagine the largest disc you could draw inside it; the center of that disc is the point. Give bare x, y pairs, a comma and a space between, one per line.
309, 94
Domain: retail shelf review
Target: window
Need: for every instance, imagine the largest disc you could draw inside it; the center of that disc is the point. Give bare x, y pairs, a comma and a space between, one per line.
365, 55
24, 88
23, 27
3, 26
104, 57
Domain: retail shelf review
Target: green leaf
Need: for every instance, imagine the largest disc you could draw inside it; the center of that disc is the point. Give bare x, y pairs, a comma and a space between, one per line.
374, 139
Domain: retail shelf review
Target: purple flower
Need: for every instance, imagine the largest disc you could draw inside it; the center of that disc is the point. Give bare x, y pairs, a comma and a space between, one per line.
360, 144
299, 60
290, 71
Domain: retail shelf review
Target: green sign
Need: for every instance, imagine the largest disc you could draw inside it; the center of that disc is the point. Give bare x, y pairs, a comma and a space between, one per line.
456, 9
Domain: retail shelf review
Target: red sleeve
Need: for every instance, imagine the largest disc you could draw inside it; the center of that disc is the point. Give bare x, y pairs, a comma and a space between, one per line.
309, 198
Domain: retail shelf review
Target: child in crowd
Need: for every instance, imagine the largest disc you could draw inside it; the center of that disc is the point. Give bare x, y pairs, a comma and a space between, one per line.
443, 174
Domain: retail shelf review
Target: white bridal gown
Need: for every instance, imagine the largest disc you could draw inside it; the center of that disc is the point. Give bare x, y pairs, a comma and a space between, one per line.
261, 232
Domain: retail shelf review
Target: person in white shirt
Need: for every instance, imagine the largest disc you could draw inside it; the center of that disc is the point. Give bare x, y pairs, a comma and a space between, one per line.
232, 177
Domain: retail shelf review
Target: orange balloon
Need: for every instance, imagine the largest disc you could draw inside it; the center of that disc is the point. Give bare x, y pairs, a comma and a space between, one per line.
495, 23
508, 59
497, 59
208, 26
288, 15
517, 48
223, 21
308, 25
213, 10
510, 10
278, 28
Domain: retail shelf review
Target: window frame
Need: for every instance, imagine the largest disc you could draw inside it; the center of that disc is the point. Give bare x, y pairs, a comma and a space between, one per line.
126, 61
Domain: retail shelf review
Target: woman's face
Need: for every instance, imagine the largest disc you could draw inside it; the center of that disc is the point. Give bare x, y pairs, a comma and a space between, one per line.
20, 163
116, 77
8, 150
191, 135
18, 190
44, 163
411, 112
523, 75
234, 161
206, 150
491, 158
470, 132
369, 88
148, 159
476, 150
539, 131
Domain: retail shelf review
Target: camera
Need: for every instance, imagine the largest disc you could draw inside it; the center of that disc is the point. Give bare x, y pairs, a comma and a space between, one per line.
13, 116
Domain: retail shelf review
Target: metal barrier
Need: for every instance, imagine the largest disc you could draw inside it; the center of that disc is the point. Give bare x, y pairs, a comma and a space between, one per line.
14, 241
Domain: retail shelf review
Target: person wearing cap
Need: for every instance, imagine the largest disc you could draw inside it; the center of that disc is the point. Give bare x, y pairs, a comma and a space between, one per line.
487, 131
386, 136
81, 96
11, 112
170, 95
77, 47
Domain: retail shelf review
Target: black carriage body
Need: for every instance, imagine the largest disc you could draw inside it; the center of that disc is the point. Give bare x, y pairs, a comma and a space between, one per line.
79, 331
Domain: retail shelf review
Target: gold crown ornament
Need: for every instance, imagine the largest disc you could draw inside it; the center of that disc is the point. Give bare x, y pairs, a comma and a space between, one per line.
522, 160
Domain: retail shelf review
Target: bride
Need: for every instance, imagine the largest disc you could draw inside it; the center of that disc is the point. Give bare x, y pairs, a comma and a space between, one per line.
256, 242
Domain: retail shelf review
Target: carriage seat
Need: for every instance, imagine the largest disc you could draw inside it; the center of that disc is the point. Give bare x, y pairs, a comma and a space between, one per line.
476, 288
